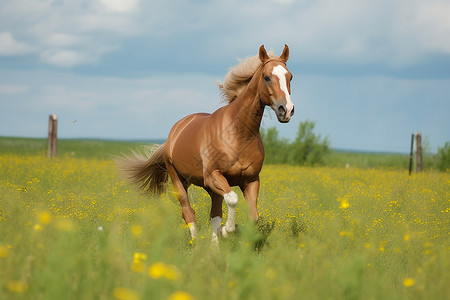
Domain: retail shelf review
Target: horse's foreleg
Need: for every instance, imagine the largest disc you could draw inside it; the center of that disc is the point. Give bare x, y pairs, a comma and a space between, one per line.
181, 193
219, 185
250, 191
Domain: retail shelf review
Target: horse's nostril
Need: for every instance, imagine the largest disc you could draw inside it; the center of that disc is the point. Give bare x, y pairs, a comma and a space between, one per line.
281, 110
293, 110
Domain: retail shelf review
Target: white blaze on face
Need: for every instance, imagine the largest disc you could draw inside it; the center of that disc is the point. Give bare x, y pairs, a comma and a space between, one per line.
280, 72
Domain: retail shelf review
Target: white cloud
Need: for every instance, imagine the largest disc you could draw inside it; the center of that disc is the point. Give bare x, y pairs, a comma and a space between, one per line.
435, 21
63, 58
70, 33
397, 33
13, 89
9, 45
284, 2
66, 34
121, 5
62, 40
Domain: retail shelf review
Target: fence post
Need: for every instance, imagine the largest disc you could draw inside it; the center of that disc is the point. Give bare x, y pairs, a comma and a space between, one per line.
52, 140
418, 152
411, 153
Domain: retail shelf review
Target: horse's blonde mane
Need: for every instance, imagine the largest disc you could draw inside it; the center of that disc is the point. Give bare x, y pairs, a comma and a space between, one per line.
239, 76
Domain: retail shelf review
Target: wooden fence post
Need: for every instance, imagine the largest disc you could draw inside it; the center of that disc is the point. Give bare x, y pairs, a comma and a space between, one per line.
418, 152
411, 154
52, 140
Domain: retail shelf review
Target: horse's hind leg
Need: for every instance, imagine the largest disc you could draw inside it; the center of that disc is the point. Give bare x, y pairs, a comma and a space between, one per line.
219, 185
181, 192
216, 214
250, 191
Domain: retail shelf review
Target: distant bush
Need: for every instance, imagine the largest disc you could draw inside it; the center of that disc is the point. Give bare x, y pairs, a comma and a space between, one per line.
276, 149
307, 148
444, 157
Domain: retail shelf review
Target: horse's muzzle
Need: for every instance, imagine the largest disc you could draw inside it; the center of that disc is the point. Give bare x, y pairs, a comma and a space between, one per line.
283, 114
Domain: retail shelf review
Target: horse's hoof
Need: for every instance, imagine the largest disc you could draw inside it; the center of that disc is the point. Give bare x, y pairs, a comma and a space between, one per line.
215, 238
223, 232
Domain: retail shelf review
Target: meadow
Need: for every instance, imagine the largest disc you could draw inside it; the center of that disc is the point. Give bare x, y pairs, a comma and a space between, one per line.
71, 228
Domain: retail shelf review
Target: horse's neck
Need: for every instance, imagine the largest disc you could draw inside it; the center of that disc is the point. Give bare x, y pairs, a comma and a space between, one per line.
247, 110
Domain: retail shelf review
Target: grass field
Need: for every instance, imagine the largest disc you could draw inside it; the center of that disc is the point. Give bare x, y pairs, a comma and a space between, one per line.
71, 228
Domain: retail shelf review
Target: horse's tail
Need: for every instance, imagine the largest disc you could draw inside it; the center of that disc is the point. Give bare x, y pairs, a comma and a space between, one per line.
146, 169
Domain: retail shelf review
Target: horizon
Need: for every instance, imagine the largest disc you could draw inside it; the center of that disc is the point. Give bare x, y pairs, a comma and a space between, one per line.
161, 141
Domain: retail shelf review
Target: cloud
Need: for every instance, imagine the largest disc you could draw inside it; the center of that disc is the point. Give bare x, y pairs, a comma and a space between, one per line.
436, 24
351, 31
395, 34
66, 34
10, 47
63, 58
70, 33
62, 40
121, 5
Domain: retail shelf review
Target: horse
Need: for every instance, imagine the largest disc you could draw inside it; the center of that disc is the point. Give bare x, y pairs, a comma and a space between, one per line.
223, 149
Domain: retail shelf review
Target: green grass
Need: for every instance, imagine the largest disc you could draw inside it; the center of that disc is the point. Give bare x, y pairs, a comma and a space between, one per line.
366, 160
71, 228
80, 148
375, 160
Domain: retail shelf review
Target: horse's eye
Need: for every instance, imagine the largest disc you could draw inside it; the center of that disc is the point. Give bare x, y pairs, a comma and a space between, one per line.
267, 78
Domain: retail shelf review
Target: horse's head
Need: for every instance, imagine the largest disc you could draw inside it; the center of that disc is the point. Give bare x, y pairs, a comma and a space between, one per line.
275, 88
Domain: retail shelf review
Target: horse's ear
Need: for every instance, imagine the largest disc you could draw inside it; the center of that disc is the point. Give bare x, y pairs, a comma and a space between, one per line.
263, 54
285, 55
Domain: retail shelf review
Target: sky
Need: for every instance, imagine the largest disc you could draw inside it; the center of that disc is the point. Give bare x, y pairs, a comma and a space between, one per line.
368, 73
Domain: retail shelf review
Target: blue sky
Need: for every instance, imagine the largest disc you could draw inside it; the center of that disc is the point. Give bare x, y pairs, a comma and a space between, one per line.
369, 73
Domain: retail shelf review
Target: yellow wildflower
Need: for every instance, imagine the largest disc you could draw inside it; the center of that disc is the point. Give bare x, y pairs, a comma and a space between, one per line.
137, 265
139, 256
17, 286
38, 227
406, 237
65, 225
160, 269
346, 233
44, 217
4, 251
408, 282
136, 230
180, 295
122, 293
344, 203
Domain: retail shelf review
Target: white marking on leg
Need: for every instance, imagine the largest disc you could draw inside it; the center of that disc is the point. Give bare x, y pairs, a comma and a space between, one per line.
281, 72
215, 223
231, 199
192, 230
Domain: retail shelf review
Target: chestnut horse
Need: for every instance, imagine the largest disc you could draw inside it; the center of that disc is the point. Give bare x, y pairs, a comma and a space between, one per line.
223, 149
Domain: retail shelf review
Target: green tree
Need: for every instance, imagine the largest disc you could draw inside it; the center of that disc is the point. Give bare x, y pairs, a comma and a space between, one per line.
275, 148
444, 157
308, 148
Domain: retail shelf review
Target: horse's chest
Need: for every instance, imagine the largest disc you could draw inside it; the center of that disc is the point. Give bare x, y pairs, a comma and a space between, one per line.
242, 170
246, 162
